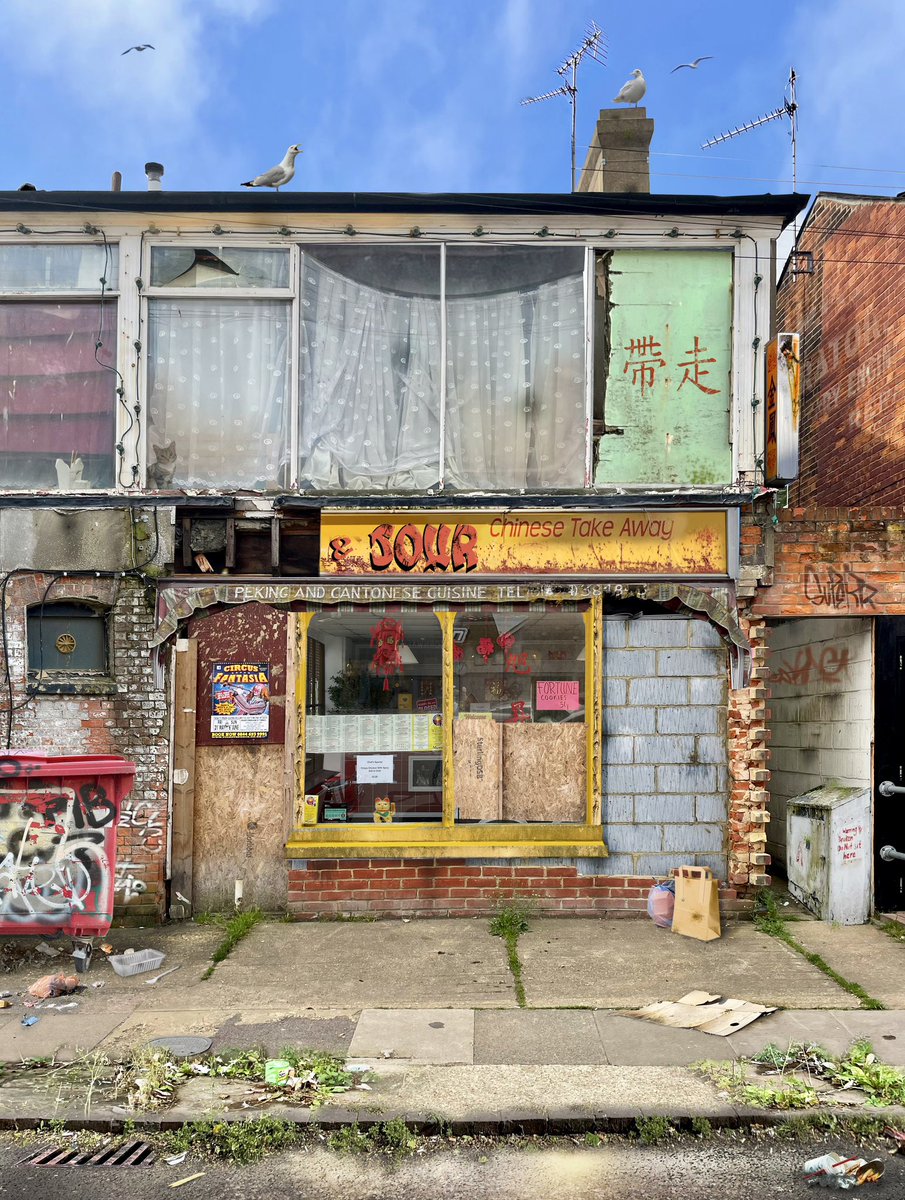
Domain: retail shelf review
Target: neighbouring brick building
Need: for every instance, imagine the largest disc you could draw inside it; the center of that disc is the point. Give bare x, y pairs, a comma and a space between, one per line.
404, 542
835, 547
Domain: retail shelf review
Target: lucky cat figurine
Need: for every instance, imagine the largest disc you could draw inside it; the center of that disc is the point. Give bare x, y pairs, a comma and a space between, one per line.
162, 470
384, 811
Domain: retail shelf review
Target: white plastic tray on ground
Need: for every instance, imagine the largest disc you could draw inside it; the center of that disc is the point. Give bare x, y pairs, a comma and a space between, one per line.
136, 963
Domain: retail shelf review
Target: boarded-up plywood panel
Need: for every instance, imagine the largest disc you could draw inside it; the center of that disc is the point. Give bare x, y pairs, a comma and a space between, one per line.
477, 764
239, 826
544, 771
185, 665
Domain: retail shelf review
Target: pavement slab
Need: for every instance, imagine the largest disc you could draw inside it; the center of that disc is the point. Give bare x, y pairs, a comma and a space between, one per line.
273, 1032
827, 1029
366, 964
539, 1037
63, 1036
441, 1035
587, 961
627, 1041
863, 954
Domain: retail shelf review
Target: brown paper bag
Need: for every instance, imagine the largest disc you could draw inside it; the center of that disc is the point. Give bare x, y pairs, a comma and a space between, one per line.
697, 909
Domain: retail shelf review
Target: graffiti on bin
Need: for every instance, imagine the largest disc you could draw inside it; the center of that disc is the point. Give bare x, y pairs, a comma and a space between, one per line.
54, 854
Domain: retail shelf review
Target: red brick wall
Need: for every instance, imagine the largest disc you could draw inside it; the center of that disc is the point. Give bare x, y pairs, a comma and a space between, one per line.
463, 888
851, 314
836, 562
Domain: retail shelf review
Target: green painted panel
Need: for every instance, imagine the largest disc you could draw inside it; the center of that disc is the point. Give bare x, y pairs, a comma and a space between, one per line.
668, 384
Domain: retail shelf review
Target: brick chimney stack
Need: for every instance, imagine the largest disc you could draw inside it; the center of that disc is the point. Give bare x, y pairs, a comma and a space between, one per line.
619, 157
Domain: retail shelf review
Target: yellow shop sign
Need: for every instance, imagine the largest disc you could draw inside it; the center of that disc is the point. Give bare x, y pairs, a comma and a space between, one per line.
625, 543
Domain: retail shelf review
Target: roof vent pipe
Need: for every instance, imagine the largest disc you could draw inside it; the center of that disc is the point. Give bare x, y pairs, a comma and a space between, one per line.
154, 172
116, 182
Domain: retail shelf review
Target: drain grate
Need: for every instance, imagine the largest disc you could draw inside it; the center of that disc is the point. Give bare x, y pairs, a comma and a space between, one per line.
132, 1154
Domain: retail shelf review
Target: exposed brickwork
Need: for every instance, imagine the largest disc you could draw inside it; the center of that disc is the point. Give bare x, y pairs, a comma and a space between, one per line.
464, 888
836, 562
132, 723
851, 314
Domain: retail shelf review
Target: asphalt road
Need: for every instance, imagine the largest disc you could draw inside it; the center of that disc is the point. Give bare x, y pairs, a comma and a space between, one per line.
718, 1169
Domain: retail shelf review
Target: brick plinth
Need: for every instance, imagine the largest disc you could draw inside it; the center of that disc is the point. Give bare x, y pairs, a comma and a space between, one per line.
387, 887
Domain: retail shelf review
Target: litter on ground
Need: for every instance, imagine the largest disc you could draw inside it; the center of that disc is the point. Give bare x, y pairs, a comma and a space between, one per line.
701, 1010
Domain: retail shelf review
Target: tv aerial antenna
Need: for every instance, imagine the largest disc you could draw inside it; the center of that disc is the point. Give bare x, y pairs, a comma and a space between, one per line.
789, 109
593, 46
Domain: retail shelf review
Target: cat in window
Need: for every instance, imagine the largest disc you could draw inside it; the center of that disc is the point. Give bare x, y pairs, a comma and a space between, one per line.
162, 470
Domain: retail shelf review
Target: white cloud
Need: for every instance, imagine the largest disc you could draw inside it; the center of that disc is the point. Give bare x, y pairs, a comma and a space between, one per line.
78, 46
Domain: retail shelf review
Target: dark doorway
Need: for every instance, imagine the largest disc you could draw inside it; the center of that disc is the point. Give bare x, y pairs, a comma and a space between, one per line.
889, 762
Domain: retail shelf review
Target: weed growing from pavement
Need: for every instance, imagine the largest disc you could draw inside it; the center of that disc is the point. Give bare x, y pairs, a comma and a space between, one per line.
235, 928
390, 1137
769, 920
510, 922
858, 1067
653, 1131
240, 1142
701, 1127
894, 929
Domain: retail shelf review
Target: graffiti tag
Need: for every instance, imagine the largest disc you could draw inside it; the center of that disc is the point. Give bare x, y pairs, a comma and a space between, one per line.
824, 586
807, 667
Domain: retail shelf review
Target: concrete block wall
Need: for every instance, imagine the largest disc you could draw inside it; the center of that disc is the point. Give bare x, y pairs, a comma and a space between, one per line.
821, 685
665, 776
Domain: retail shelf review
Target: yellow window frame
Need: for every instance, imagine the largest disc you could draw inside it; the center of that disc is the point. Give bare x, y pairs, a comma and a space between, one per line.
446, 839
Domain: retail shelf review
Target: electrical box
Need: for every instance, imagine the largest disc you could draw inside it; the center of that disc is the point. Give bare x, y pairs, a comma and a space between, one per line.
829, 853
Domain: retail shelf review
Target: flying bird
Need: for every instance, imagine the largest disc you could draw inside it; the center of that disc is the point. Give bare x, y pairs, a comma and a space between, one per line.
277, 176
633, 90
146, 46
693, 65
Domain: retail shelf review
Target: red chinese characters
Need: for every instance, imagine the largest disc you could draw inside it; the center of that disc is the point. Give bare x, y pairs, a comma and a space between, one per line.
486, 649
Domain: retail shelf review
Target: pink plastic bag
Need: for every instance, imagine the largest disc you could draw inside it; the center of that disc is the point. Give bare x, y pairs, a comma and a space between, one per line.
661, 900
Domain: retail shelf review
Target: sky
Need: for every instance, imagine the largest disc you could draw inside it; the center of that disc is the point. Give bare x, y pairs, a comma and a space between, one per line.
424, 95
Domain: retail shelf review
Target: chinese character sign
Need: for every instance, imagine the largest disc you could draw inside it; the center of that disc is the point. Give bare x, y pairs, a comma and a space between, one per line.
668, 389
240, 700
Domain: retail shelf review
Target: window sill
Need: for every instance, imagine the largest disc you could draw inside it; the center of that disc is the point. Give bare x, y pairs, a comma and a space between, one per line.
98, 685
439, 841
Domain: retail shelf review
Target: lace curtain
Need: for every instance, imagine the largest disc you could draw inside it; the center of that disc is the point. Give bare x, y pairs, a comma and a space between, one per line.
218, 394
370, 385
369, 380
515, 381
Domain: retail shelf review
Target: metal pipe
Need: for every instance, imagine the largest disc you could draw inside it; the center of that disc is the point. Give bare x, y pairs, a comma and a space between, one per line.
891, 854
887, 788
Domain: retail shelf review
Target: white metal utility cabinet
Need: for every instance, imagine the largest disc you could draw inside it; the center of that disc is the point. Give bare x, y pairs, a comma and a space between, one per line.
829, 852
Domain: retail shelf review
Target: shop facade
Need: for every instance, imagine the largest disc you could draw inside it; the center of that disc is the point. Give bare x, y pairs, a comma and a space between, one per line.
414, 534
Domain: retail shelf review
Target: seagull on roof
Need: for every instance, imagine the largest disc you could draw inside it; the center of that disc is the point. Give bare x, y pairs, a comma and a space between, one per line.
276, 177
633, 90
693, 65
146, 46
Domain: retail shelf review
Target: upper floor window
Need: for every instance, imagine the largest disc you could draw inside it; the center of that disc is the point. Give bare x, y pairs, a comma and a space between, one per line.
57, 360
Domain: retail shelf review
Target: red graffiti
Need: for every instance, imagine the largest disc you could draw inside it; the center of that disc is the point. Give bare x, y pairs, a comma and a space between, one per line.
808, 667
430, 548
644, 360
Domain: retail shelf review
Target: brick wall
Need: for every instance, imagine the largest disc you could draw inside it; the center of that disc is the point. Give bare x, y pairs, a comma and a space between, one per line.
836, 562
821, 677
465, 888
851, 314
133, 722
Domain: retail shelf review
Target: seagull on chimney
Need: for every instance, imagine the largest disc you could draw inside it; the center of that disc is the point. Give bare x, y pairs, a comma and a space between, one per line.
276, 177
693, 65
146, 46
633, 90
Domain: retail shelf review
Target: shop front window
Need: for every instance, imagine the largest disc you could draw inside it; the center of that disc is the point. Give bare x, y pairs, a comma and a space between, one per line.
374, 747
519, 730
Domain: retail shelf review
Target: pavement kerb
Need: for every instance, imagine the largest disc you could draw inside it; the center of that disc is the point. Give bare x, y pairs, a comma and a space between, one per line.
617, 1120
